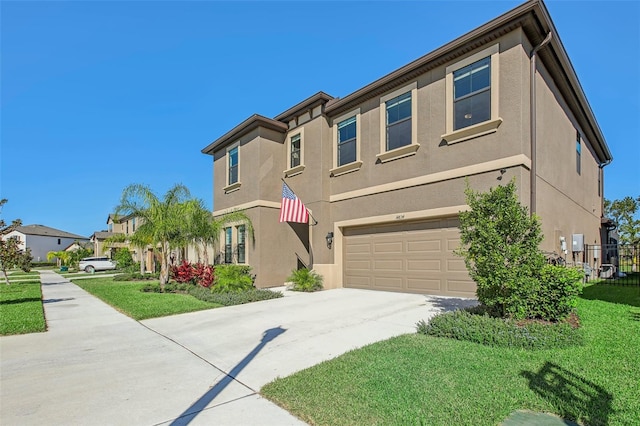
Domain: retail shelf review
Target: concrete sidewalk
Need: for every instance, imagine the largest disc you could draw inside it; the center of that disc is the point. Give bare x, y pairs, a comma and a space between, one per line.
97, 366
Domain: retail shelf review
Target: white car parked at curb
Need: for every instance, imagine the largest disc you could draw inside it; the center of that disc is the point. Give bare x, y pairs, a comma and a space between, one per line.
92, 264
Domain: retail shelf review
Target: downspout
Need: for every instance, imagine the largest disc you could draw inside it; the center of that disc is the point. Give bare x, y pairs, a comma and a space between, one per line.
532, 122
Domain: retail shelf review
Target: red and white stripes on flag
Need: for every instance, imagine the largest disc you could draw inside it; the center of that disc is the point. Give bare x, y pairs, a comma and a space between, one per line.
292, 209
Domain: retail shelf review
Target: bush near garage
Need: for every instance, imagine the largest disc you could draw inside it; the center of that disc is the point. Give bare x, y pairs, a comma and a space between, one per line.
305, 280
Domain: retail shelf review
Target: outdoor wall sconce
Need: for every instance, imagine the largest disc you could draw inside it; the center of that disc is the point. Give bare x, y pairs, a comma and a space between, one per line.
329, 239
502, 171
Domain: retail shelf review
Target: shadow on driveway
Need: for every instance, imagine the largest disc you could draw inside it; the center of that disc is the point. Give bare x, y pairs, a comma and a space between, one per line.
190, 413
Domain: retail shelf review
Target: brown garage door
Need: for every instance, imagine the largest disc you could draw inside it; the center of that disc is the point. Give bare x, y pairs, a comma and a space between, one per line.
410, 257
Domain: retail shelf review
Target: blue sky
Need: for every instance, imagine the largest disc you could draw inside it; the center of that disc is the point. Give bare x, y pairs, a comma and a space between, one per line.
98, 95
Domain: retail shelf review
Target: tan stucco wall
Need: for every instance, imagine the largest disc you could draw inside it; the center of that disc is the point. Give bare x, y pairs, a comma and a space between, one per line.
431, 181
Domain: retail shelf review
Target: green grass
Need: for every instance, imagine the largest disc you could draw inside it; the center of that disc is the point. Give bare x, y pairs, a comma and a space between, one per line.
418, 379
21, 308
126, 297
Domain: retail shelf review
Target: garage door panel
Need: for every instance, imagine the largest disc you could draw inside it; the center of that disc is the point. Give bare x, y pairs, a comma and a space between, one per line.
389, 283
414, 257
358, 247
456, 265
422, 284
424, 265
358, 281
424, 246
358, 265
395, 266
388, 247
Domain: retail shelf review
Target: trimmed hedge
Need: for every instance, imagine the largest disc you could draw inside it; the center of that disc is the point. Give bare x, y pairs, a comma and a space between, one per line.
498, 332
136, 276
234, 298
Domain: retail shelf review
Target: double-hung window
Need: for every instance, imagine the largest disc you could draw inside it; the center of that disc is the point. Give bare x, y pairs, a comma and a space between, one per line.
241, 247
347, 141
296, 151
233, 166
228, 245
472, 94
398, 121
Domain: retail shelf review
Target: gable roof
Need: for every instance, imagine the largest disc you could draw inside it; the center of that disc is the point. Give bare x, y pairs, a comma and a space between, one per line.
46, 231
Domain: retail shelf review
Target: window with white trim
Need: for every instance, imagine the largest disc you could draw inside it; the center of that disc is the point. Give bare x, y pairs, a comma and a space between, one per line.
228, 245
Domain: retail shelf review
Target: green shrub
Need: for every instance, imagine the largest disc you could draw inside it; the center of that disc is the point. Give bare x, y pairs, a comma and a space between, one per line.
557, 293
234, 298
499, 332
232, 278
136, 276
305, 280
500, 247
168, 288
123, 258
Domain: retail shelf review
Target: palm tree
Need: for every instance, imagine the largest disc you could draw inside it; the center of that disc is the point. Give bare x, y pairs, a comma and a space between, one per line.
163, 221
204, 230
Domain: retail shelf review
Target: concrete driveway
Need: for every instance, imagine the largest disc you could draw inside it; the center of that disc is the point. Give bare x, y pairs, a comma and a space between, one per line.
97, 366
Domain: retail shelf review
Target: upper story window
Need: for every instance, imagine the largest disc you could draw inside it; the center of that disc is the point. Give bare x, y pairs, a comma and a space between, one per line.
578, 153
295, 149
233, 166
398, 121
472, 94
133, 224
295, 153
347, 141
110, 227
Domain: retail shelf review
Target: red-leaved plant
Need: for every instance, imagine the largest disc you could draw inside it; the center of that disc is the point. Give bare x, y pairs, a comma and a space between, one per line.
183, 273
204, 274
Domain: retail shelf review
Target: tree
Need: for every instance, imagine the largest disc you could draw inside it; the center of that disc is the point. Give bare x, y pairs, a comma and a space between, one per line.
11, 256
62, 257
163, 220
500, 247
623, 212
204, 230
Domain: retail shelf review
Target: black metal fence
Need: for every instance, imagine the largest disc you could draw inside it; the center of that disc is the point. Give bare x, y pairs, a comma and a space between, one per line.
619, 263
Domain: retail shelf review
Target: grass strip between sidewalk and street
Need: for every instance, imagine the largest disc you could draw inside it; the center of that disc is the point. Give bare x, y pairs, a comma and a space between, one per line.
419, 379
21, 308
127, 297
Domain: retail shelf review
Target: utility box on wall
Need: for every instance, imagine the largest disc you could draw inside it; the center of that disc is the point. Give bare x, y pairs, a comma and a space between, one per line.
577, 242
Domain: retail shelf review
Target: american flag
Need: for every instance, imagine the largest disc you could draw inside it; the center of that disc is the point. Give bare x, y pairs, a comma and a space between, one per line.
292, 209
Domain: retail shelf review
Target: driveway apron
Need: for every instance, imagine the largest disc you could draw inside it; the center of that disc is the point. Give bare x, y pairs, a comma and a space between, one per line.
95, 365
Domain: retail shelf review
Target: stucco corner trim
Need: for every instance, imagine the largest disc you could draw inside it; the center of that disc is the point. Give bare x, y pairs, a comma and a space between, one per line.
347, 168
474, 131
294, 171
233, 187
398, 153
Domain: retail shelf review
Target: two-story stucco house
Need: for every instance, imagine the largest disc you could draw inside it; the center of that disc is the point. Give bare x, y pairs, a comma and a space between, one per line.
43, 239
383, 169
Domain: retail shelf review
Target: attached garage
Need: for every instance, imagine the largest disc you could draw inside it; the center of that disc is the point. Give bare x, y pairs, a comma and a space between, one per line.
413, 257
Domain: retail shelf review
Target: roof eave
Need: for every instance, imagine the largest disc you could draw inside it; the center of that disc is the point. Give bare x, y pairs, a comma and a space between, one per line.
243, 128
311, 102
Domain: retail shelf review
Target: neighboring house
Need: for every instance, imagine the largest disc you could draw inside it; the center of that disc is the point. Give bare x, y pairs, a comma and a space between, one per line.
383, 170
43, 239
77, 245
126, 226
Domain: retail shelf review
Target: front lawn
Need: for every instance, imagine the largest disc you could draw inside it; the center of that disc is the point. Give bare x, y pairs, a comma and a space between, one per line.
126, 297
21, 308
418, 379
